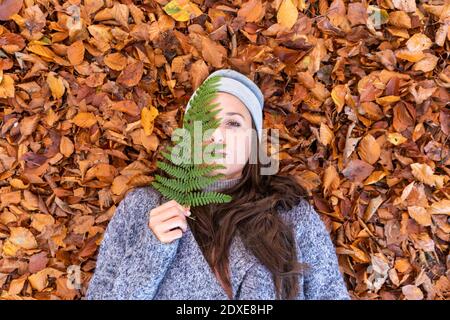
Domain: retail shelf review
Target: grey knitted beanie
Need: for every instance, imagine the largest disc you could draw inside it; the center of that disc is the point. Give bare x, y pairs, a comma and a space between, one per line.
246, 90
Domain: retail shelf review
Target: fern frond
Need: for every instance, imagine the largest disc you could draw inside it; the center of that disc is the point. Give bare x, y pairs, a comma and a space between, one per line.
188, 178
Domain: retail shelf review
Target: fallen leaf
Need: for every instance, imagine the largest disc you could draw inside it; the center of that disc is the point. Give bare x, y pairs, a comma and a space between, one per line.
412, 292
182, 10
22, 238
357, 170
148, 115
85, 119
131, 75
56, 85
75, 53
7, 87
287, 14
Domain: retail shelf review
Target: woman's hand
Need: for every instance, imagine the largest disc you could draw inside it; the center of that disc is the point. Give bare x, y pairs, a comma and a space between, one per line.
168, 221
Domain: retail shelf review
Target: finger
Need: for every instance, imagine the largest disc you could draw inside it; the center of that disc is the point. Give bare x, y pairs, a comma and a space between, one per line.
155, 220
171, 235
165, 206
176, 222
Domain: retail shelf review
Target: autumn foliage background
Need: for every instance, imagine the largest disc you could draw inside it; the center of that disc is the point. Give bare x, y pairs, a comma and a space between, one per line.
90, 90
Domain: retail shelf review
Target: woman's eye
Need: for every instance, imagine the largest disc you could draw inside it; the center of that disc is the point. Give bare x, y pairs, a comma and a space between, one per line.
233, 123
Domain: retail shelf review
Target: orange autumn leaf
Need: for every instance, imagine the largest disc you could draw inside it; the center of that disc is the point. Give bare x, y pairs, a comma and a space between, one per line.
7, 89
287, 14
56, 85
338, 95
182, 10
148, 116
116, 61
132, 74
126, 106
75, 53
252, 11
368, 149
85, 119
22, 237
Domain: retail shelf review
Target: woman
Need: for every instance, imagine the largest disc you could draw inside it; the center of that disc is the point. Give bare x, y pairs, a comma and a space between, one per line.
267, 243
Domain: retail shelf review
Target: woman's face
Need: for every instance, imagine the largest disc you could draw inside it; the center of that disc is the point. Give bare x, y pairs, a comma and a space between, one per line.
235, 131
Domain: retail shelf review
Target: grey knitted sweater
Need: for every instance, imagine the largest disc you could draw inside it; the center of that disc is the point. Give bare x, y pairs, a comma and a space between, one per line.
133, 264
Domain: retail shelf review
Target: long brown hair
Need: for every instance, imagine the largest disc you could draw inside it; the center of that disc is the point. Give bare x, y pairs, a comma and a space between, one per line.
253, 212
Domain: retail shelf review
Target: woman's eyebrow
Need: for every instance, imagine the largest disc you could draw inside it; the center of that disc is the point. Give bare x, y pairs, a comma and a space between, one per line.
233, 113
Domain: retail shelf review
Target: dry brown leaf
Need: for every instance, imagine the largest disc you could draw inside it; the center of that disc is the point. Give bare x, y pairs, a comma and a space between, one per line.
357, 170
424, 173
22, 237
287, 14
148, 116
75, 53
7, 86
56, 85
326, 134
115, 61
131, 75
85, 119
126, 106
252, 11
420, 214
368, 149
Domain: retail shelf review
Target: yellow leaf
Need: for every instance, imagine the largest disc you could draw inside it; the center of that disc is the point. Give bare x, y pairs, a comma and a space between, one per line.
326, 135
41, 50
301, 5
287, 14
9, 248
375, 177
18, 184
85, 119
182, 10
16, 285
411, 56
56, 85
147, 119
7, 87
22, 238
39, 280
387, 100
396, 138
41, 220
338, 95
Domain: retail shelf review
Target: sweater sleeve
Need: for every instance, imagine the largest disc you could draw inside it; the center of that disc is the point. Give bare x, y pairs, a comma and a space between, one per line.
127, 235
111, 250
323, 281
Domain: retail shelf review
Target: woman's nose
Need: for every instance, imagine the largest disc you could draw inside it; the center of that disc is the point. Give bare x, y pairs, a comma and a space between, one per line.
217, 136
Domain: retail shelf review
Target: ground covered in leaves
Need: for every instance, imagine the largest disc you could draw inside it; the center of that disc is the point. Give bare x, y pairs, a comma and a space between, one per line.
90, 90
